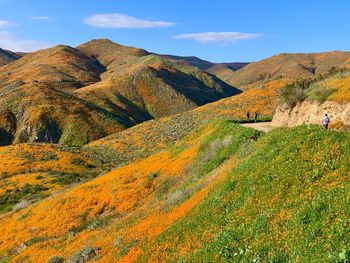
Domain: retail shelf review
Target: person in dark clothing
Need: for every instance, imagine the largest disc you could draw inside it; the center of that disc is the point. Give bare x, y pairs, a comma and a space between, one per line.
256, 116
248, 115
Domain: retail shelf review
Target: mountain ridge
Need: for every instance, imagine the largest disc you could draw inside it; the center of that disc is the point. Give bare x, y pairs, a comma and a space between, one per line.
288, 66
125, 85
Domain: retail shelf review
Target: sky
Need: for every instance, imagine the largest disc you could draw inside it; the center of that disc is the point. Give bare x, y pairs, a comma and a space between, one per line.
216, 30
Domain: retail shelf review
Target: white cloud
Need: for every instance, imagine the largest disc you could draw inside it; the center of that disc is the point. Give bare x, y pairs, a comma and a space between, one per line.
123, 21
8, 41
42, 18
4, 23
221, 37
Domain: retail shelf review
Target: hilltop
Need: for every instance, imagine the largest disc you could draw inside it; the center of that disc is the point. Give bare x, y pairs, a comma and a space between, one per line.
61, 67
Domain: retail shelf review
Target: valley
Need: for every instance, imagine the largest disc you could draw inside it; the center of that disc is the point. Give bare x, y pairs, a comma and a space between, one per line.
112, 153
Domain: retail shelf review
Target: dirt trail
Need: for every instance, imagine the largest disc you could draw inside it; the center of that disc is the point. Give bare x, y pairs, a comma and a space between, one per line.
260, 126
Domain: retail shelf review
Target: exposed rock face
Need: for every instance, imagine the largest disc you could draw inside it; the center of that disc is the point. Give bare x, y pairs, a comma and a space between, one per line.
7, 127
312, 112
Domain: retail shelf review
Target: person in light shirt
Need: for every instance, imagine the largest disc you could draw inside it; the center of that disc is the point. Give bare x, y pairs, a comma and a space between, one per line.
326, 121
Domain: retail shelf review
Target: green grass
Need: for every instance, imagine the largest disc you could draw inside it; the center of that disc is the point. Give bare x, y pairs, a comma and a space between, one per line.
320, 93
251, 120
35, 240
287, 200
90, 223
225, 141
13, 196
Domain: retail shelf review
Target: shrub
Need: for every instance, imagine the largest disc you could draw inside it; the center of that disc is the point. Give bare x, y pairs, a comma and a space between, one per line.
49, 156
294, 93
13, 196
126, 247
84, 255
56, 259
34, 240
321, 93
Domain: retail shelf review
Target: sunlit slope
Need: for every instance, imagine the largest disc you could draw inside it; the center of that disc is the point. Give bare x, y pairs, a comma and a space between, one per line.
307, 101
32, 172
225, 193
335, 87
287, 66
263, 100
155, 135
36, 103
114, 205
330, 86
156, 87
61, 67
286, 201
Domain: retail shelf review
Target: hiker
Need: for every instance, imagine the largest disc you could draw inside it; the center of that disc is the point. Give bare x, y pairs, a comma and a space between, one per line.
326, 121
248, 115
256, 116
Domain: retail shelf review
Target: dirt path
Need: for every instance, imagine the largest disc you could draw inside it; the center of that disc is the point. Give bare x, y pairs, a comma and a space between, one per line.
260, 126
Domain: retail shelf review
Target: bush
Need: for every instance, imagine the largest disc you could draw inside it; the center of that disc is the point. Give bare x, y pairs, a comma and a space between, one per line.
13, 196
50, 156
294, 93
56, 259
84, 255
34, 240
321, 93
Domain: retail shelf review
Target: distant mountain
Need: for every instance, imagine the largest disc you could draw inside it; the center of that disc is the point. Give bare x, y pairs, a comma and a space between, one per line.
221, 70
7, 57
76, 95
287, 66
225, 70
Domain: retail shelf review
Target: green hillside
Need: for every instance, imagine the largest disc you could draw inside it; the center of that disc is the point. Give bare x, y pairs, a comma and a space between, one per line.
286, 200
224, 193
332, 85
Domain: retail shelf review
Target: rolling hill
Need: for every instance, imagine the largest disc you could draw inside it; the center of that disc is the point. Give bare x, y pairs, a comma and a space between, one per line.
151, 165
36, 99
287, 66
76, 95
209, 197
159, 87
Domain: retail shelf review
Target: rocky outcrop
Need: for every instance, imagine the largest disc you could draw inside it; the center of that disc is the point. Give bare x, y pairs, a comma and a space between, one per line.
312, 112
7, 127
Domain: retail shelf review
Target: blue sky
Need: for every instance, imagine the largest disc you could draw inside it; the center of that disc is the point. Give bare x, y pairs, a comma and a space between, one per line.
220, 30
